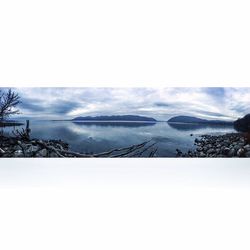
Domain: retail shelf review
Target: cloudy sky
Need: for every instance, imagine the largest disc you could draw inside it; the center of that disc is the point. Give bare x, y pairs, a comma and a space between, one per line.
159, 103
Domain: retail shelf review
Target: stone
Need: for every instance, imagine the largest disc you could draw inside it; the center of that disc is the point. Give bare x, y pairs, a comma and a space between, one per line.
32, 149
240, 152
241, 144
202, 154
18, 147
53, 154
247, 154
231, 153
236, 148
1, 151
205, 148
18, 153
220, 156
225, 151
211, 151
247, 147
199, 149
42, 153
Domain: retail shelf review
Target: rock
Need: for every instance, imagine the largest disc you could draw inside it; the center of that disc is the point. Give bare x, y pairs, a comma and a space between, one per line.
32, 149
217, 150
240, 152
241, 144
2, 151
211, 151
202, 154
231, 153
247, 154
18, 153
53, 154
236, 148
42, 153
225, 151
247, 147
220, 156
225, 144
191, 134
199, 149
18, 147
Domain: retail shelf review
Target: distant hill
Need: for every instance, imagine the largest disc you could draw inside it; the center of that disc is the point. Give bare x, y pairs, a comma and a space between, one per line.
243, 124
12, 123
191, 119
123, 118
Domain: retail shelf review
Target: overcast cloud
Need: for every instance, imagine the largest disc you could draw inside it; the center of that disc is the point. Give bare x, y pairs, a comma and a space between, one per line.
159, 103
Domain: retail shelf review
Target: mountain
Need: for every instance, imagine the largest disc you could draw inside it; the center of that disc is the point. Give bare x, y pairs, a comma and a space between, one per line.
191, 119
126, 118
243, 124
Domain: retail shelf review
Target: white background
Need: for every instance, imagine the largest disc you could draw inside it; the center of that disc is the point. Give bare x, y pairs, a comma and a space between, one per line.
124, 204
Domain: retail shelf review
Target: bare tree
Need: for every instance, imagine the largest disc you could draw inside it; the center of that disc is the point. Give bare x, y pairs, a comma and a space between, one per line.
8, 102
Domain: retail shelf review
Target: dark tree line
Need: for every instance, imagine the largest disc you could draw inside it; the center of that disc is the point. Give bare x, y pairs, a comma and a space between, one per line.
8, 103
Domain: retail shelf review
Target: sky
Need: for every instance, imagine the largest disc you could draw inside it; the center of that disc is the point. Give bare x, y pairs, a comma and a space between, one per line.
159, 103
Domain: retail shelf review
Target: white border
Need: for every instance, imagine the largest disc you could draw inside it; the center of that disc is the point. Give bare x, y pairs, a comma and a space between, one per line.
112, 43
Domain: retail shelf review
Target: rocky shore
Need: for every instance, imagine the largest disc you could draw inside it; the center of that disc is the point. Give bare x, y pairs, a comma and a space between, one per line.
227, 145
16, 147
24, 147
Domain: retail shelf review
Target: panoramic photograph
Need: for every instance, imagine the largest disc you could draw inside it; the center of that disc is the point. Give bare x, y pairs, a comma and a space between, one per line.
124, 122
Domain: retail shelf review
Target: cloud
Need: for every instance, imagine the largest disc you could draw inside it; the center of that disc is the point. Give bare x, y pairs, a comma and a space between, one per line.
160, 103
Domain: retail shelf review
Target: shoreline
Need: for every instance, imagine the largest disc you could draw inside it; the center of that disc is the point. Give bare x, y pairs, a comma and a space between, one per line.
228, 145
14, 147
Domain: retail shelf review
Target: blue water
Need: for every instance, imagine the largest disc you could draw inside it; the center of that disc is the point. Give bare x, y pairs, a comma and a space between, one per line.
98, 137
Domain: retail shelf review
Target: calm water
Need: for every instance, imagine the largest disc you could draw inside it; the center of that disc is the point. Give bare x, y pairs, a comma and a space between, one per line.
99, 137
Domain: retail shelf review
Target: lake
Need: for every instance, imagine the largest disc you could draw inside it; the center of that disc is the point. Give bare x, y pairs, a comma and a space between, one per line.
96, 137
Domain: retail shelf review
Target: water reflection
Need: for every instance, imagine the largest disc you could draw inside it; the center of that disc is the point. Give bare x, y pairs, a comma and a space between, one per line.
196, 126
114, 123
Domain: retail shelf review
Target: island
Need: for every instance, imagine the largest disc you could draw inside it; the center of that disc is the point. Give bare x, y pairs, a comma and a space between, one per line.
115, 118
195, 120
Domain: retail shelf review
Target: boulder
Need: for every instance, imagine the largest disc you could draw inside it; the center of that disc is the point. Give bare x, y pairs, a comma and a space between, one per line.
211, 151
53, 154
42, 153
18, 153
2, 151
240, 152
32, 149
225, 150
231, 153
